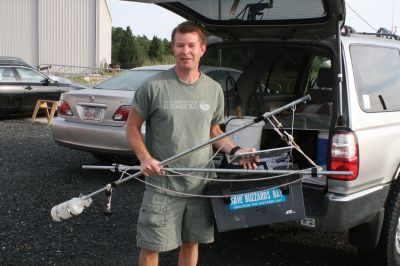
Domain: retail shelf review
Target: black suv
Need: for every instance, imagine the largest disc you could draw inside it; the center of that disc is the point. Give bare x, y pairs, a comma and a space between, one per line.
21, 86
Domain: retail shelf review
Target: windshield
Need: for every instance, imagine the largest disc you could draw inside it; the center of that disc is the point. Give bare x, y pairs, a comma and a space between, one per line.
127, 81
256, 10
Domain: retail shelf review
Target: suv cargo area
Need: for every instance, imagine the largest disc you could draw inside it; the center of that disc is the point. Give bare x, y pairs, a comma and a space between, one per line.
276, 73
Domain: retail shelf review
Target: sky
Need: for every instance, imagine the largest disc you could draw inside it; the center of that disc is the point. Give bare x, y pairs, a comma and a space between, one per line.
152, 20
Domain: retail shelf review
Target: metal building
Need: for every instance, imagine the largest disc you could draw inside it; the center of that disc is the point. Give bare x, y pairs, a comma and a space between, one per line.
61, 32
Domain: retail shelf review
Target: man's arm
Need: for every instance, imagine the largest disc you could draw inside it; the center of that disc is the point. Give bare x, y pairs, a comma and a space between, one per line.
227, 146
148, 165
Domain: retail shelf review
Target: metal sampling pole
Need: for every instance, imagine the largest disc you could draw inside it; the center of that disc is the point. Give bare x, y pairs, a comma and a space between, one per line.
312, 171
211, 141
75, 206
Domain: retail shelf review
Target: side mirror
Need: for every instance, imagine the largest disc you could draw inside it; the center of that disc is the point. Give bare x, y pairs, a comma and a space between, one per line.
49, 81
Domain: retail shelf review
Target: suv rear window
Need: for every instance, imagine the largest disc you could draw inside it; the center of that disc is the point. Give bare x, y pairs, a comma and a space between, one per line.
251, 10
377, 77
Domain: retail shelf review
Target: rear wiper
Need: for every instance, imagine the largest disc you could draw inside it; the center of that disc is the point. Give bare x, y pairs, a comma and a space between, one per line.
252, 10
382, 102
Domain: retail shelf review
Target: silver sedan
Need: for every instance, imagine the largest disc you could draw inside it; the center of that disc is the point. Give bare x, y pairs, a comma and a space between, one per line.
94, 119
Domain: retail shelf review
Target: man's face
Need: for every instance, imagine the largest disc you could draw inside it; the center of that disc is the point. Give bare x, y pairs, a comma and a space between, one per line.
187, 50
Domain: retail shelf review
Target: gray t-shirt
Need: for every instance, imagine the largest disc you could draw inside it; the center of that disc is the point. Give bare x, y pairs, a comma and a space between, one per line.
178, 117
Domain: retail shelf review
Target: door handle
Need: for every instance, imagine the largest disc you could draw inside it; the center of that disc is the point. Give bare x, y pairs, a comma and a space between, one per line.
28, 88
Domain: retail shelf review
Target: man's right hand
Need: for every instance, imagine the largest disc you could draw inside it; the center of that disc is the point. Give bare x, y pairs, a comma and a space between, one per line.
250, 161
151, 167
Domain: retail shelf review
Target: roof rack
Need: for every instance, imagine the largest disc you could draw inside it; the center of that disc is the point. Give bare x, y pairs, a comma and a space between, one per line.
382, 33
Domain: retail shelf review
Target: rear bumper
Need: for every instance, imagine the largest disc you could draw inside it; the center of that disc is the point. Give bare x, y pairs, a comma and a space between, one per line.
339, 213
92, 138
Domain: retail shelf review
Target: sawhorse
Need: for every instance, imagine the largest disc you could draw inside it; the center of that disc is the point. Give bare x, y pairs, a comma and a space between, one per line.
45, 104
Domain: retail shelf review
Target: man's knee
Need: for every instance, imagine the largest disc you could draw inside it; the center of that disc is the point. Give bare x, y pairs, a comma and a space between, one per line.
189, 246
148, 257
148, 252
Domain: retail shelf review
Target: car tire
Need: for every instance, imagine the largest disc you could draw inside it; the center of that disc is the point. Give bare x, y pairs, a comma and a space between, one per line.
388, 250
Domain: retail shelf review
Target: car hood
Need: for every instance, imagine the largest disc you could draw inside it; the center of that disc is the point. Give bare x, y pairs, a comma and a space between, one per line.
266, 19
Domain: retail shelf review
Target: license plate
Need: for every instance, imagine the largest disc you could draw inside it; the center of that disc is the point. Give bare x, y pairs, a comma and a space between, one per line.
91, 113
258, 198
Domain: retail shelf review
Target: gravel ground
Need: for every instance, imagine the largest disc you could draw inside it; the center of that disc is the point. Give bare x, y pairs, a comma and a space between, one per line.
36, 174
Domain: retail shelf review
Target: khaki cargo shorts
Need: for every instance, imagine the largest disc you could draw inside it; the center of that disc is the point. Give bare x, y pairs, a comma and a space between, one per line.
166, 221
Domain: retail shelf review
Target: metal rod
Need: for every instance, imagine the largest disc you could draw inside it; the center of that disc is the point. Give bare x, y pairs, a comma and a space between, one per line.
122, 168
255, 171
339, 69
226, 134
211, 141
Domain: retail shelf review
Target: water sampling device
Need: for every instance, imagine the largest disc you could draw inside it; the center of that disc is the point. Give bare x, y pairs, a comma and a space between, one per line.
76, 205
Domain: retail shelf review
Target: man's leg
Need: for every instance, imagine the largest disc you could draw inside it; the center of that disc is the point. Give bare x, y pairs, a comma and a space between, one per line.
197, 227
188, 254
148, 257
159, 226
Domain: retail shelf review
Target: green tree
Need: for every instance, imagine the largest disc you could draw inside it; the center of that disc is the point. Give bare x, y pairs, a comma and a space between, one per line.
139, 56
126, 49
117, 34
130, 50
167, 47
156, 48
144, 43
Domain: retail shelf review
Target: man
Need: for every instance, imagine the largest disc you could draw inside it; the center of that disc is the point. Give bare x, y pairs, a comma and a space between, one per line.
182, 108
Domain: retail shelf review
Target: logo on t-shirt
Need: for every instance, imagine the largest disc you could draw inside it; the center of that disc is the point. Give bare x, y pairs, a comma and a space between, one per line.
180, 105
186, 105
204, 106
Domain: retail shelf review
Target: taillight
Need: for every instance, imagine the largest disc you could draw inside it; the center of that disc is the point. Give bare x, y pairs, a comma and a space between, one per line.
344, 155
122, 113
63, 108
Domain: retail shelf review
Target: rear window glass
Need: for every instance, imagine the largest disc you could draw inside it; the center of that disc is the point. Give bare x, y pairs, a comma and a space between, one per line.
29, 75
377, 77
276, 72
7, 74
282, 76
271, 77
251, 10
319, 62
220, 77
227, 79
232, 57
127, 81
